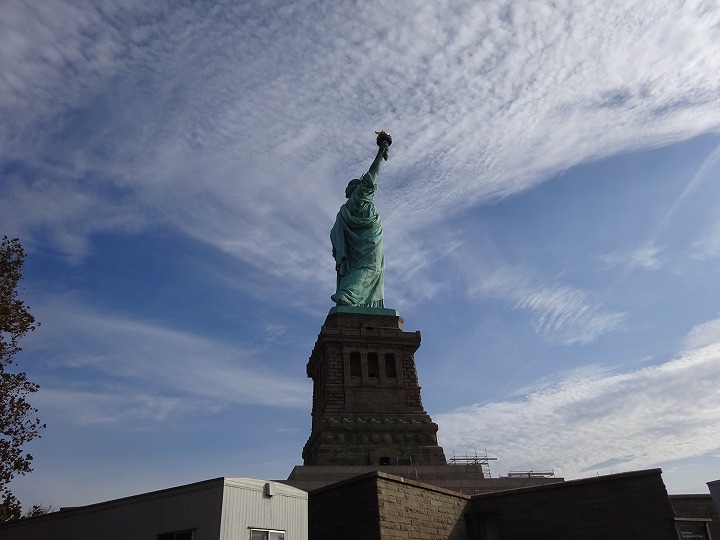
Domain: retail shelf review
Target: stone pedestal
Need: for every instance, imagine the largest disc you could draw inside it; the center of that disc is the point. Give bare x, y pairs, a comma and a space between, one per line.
367, 414
367, 408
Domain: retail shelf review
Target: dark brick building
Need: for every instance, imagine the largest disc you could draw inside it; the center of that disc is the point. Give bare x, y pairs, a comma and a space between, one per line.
378, 506
697, 508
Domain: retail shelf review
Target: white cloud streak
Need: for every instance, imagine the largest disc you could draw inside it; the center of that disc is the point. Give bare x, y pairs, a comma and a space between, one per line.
568, 314
561, 313
240, 125
593, 420
124, 370
647, 256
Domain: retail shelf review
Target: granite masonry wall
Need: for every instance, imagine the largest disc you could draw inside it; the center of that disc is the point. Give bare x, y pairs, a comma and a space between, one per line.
697, 507
626, 506
376, 506
419, 511
345, 510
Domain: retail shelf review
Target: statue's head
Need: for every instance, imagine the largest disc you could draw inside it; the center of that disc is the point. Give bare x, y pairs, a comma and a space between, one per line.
352, 184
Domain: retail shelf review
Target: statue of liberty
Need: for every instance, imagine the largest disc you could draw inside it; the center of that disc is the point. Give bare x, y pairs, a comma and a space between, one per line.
357, 239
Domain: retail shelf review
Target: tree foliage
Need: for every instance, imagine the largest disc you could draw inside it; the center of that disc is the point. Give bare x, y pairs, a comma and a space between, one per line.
10, 507
18, 423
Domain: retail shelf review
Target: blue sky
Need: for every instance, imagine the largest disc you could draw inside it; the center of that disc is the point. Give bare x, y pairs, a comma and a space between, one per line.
550, 205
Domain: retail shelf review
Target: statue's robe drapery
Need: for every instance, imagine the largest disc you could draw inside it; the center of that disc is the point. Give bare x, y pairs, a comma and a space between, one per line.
357, 240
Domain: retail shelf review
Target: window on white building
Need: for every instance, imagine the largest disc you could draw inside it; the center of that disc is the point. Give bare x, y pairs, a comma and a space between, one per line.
266, 534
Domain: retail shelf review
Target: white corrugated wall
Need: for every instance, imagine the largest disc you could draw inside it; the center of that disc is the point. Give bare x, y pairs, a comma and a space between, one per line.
246, 505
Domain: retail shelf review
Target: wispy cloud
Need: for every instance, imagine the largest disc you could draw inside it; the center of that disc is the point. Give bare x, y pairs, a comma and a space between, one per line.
705, 243
116, 369
597, 420
703, 335
559, 312
643, 257
118, 405
213, 121
708, 247
568, 314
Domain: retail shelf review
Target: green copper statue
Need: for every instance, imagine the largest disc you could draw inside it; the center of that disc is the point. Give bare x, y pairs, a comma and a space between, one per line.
357, 239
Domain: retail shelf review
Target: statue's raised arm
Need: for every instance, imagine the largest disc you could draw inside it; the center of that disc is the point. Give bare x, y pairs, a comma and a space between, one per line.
357, 239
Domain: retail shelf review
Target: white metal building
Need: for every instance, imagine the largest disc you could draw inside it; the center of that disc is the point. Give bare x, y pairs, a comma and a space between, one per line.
219, 509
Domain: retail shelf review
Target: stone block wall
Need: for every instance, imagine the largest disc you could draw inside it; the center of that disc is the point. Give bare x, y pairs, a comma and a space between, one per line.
343, 511
367, 408
377, 506
624, 506
420, 512
697, 507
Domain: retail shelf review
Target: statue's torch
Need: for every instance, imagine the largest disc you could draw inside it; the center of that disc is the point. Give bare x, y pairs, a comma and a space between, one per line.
382, 136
